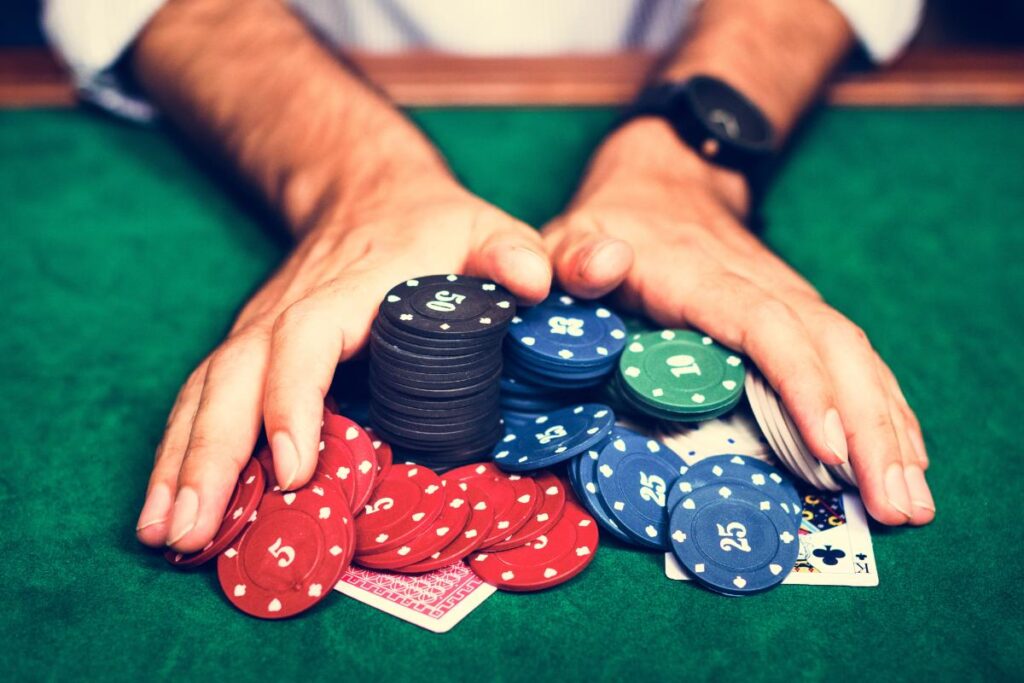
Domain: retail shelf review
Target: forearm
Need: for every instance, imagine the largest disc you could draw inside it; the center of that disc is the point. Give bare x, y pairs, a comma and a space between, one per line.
250, 81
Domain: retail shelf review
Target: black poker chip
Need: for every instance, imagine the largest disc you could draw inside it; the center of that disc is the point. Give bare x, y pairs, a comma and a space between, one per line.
435, 364
432, 346
449, 307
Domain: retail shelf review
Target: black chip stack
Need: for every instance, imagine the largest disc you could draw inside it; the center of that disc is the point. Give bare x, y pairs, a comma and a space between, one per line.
435, 362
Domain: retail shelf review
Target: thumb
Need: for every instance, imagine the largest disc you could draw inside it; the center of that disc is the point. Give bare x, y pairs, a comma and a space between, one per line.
512, 254
587, 262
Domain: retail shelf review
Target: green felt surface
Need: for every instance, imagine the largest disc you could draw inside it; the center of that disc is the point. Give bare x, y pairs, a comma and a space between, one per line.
122, 264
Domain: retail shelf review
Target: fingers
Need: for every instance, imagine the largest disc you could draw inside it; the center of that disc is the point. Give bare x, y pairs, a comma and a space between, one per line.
587, 262
826, 376
512, 254
745, 317
863, 401
921, 501
309, 340
155, 517
922, 506
914, 433
225, 429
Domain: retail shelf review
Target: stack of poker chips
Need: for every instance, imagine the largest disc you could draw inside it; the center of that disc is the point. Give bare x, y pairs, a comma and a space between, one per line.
435, 362
733, 524
731, 520
677, 376
558, 349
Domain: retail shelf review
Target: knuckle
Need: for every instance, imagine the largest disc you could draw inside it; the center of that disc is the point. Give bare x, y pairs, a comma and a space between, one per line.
200, 447
875, 423
771, 312
911, 419
292, 317
685, 241
843, 331
237, 347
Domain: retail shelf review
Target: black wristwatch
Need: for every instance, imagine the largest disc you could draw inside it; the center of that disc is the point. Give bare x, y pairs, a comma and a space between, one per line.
715, 120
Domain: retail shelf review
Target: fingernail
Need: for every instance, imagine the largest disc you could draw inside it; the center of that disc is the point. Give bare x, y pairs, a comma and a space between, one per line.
835, 435
286, 459
918, 443
185, 514
920, 494
896, 489
593, 258
156, 507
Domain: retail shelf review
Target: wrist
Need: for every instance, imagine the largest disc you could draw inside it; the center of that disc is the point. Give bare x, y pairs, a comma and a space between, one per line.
648, 148
386, 158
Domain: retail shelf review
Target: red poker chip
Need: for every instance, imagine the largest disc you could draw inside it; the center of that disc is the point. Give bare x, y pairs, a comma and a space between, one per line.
445, 528
406, 503
383, 450
551, 503
550, 560
291, 556
336, 461
239, 512
347, 453
481, 517
513, 497
266, 459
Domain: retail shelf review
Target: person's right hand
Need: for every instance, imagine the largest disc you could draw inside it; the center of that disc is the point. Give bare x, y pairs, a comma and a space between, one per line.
658, 225
278, 361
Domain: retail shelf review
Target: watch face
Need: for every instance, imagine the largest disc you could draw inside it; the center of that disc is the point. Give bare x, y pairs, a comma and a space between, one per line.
728, 113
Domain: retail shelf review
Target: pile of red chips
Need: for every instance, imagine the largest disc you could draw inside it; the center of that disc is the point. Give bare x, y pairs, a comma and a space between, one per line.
281, 552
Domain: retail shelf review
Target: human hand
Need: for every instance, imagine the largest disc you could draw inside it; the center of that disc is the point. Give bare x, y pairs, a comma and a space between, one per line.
662, 227
277, 363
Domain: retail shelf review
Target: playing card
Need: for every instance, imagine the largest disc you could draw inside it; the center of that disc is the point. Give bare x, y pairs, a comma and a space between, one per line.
436, 601
736, 434
835, 544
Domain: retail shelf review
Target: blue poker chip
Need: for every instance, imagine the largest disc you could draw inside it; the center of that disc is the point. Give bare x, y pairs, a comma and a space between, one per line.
513, 386
513, 417
742, 469
554, 380
585, 466
553, 437
734, 538
564, 330
634, 474
533, 405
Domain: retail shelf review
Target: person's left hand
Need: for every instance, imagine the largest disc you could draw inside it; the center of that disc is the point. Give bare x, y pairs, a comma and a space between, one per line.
663, 228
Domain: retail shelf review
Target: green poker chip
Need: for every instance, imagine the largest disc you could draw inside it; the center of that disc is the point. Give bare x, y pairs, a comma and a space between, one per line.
680, 373
636, 407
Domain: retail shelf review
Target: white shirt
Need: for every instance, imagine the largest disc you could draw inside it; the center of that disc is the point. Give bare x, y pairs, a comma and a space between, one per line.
90, 35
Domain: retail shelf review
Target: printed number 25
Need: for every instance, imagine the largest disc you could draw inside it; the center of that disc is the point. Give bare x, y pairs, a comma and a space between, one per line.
734, 535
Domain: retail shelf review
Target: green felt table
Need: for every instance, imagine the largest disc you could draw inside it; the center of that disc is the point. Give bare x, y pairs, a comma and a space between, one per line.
122, 263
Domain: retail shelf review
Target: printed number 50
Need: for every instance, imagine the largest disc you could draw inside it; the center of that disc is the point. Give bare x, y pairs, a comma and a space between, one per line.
445, 302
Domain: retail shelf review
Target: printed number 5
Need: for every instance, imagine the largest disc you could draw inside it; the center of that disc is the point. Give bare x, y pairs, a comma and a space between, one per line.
285, 554
734, 535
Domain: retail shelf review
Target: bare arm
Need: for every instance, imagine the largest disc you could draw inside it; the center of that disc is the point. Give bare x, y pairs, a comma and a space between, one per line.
661, 226
371, 203
250, 81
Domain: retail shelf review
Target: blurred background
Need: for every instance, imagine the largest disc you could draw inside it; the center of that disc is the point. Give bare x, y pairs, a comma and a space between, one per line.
967, 52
